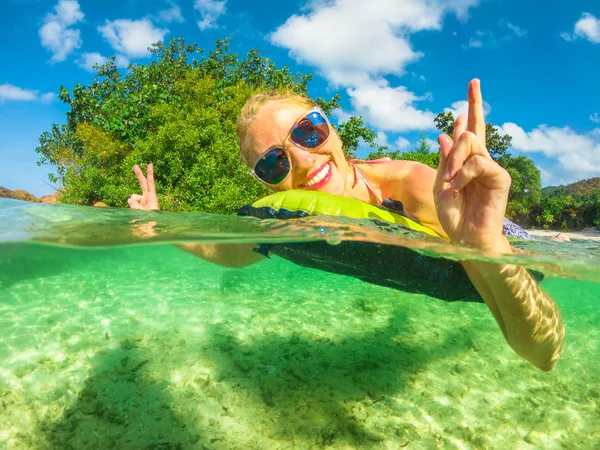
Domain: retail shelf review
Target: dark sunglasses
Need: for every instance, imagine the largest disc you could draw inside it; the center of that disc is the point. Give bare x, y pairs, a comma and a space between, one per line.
310, 132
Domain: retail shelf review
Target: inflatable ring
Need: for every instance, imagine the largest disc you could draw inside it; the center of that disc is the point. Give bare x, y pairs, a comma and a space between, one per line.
387, 265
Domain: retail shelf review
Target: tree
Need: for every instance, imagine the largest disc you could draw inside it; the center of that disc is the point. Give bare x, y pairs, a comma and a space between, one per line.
353, 132
423, 146
526, 178
496, 143
178, 112
526, 186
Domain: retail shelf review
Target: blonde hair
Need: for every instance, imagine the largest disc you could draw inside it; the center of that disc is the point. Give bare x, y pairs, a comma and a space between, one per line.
253, 106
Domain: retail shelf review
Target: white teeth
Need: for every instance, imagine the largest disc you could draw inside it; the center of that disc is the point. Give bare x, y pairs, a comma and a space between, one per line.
318, 177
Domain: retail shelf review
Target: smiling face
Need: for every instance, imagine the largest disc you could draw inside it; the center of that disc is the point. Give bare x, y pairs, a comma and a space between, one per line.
324, 168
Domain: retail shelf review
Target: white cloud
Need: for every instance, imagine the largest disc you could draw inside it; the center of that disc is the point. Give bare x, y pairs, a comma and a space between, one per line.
434, 146
56, 34
577, 156
355, 44
473, 43
9, 92
388, 108
172, 14
382, 139
587, 27
341, 115
481, 39
517, 31
567, 36
47, 97
121, 61
351, 39
489, 39
595, 117
89, 60
402, 143
210, 10
462, 107
131, 38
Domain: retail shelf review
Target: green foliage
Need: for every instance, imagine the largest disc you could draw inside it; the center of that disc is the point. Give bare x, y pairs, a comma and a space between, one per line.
546, 218
579, 188
429, 159
496, 143
526, 186
422, 153
352, 132
329, 106
423, 146
178, 112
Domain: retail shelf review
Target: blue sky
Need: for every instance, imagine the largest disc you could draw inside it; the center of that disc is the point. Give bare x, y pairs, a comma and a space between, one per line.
395, 62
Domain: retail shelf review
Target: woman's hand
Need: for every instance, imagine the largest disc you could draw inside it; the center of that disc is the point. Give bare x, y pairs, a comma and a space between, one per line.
471, 189
148, 200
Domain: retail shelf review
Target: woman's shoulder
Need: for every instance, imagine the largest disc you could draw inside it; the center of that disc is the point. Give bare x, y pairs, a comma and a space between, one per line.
401, 169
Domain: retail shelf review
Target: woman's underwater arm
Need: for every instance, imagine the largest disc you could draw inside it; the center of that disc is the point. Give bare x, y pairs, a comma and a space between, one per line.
471, 194
527, 315
228, 255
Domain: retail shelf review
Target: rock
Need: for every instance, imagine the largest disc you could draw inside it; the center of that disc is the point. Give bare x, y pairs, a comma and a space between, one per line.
101, 205
52, 198
560, 237
17, 194
20, 194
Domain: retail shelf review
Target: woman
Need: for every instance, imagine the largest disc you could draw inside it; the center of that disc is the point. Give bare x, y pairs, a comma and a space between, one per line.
288, 144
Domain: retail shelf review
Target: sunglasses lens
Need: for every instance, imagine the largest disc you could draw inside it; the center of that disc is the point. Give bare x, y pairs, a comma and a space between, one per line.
273, 167
311, 131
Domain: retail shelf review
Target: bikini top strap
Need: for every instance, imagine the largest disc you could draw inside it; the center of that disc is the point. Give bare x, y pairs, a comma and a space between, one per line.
358, 174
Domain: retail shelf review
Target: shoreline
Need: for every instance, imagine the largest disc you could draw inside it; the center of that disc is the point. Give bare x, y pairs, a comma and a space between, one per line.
587, 234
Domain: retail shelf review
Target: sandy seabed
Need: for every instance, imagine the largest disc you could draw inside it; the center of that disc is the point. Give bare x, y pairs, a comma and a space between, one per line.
151, 348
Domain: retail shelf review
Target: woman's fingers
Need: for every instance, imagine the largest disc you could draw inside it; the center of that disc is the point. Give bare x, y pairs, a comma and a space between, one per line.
492, 175
462, 151
460, 126
134, 202
446, 144
149, 200
476, 119
141, 178
465, 148
150, 180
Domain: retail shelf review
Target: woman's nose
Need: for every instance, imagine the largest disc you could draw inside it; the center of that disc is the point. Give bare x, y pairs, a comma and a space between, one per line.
302, 160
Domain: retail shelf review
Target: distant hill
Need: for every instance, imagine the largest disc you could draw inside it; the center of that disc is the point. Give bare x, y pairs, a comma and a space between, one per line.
583, 187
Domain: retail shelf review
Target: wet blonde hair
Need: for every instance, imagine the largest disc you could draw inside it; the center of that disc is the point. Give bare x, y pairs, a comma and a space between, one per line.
253, 106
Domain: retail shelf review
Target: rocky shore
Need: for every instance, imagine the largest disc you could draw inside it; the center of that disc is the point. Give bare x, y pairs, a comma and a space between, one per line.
20, 194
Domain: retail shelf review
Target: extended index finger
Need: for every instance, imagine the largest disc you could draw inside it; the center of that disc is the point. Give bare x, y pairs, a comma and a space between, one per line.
141, 178
476, 120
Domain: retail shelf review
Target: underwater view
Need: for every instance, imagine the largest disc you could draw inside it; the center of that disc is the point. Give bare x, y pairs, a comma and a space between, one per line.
111, 337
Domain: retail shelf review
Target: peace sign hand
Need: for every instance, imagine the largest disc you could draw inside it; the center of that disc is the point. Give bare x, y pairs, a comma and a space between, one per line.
471, 189
148, 200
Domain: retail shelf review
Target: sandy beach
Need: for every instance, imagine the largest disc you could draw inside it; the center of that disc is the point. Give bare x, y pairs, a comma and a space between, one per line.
587, 234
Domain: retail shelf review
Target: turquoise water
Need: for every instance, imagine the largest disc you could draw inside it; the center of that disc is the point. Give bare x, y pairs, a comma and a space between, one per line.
107, 344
